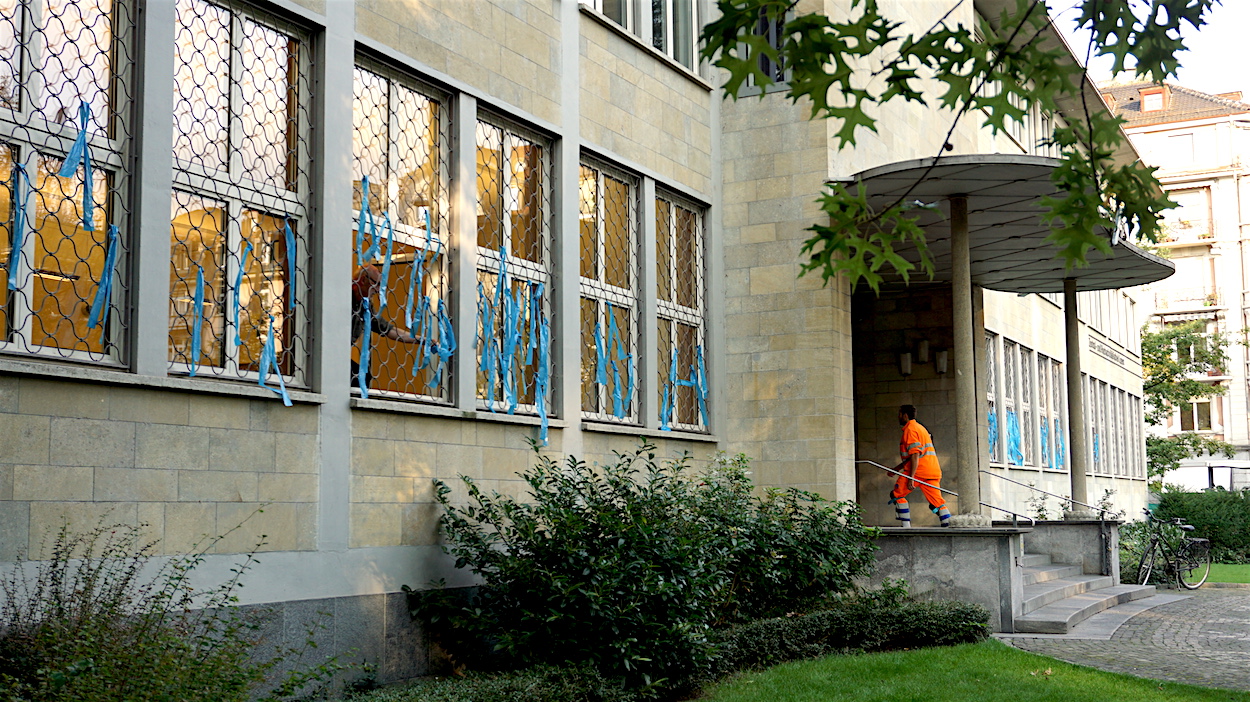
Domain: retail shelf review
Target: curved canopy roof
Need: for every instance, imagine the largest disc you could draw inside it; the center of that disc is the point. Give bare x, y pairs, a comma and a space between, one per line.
1007, 237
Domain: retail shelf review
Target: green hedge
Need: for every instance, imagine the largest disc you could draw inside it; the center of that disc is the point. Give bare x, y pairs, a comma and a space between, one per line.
1218, 515
879, 621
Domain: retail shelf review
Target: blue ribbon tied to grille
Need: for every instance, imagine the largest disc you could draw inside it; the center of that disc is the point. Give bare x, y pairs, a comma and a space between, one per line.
21, 204
268, 362
104, 293
544, 374
1015, 453
1061, 447
993, 433
366, 341
290, 261
80, 152
197, 319
696, 380
383, 283
1046, 460
366, 220
238, 291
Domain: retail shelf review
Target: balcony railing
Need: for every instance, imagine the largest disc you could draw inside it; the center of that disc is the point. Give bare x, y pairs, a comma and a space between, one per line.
1187, 298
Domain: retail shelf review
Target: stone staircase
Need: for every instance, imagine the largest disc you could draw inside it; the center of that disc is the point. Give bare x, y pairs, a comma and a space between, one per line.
1058, 596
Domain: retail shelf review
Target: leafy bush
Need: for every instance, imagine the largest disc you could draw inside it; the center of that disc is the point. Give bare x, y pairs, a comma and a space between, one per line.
1218, 515
629, 565
92, 625
537, 684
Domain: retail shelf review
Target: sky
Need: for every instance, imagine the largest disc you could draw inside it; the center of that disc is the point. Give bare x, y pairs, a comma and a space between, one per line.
1215, 61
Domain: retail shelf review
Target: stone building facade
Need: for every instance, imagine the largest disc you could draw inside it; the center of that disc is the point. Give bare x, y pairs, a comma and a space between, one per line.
576, 240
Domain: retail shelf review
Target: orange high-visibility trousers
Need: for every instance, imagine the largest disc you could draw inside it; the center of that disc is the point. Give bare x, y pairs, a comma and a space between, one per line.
934, 496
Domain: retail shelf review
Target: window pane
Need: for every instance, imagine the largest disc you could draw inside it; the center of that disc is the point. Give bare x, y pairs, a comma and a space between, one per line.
198, 238
202, 84
687, 408
264, 291
370, 136
617, 11
268, 117
683, 32
688, 262
659, 24
6, 235
10, 56
525, 205
1204, 416
1187, 417
76, 62
590, 360
68, 260
618, 227
417, 158
588, 218
490, 185
664, 249
665, 335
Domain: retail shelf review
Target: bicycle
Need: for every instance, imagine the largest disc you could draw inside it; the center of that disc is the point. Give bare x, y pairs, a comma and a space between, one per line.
1190, 563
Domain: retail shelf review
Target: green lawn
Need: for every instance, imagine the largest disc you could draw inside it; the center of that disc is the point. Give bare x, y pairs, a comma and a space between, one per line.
1225, 573
986, 672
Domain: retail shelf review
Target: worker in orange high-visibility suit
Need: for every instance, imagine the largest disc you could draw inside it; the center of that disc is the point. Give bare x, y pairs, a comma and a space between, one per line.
919, 463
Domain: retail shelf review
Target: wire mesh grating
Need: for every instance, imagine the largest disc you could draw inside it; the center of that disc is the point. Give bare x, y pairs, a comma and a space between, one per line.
607, 213
681, 329
239, 210
66, 76
401, 163
513, 270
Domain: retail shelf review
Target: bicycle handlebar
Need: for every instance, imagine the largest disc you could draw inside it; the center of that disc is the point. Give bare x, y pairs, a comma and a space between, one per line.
1174, 521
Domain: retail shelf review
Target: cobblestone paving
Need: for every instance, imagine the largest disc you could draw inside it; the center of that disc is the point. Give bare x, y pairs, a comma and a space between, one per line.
1203, 640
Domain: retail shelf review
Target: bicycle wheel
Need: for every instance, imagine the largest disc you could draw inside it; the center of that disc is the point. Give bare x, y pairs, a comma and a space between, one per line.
1193, 563
1147, 565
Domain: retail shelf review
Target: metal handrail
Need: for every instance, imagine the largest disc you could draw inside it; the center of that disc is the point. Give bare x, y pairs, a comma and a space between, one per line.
1102, 511
1014, 515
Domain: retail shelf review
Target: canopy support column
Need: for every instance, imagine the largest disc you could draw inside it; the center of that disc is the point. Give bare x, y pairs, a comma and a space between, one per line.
1078, 460
967, 450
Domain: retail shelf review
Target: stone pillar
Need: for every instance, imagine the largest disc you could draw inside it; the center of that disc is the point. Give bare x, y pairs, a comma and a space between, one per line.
967, 450
1077, 461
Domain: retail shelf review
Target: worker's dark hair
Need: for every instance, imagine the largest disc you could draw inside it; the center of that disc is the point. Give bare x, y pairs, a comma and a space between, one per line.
909, 410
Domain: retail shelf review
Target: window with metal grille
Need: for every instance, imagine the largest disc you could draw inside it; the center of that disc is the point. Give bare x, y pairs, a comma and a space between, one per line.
513, 269
991, 396
608, 215
1045, 438
66, 91
401, 321
1028, 429
1058, 392
1011, 381
680, 296
239, 210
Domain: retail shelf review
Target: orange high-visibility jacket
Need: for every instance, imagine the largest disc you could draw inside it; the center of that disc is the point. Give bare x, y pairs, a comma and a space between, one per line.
916, 440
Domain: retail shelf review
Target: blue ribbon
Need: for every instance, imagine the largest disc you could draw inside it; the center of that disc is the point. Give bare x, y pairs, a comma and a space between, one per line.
80, 152
197, 319
701, 388
1046, 458
383, 284
601, 358
269, 361
1061, 447
511, 339
536, 292
544, 375
238, 291
614, 344
670, 392
1015, 456
446, 344
104, 293
1097, 453
290, 261
366, 340
366, 215
22, 196
992, 417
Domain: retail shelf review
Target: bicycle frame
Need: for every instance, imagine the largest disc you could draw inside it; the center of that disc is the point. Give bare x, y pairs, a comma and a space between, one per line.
1177, 562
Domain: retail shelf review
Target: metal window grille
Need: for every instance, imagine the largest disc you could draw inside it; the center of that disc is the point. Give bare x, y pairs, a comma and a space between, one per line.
1045, 440
399, 147
608, 215
239, 209
1057, 395
1011, 405
1027, 428
680, 302
514, 288
66, 92
991, 396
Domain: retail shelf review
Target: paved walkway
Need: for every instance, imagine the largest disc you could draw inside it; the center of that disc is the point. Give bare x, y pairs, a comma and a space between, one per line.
1200, 640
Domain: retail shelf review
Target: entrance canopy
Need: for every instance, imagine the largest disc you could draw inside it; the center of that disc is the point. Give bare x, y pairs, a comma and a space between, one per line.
1006, 235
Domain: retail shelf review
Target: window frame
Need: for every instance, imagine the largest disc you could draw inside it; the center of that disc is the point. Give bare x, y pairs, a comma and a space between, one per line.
241, 193
32, 136
675, 313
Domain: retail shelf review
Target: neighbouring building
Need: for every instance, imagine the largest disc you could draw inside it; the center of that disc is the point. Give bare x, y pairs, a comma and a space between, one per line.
330, 251
1200, 144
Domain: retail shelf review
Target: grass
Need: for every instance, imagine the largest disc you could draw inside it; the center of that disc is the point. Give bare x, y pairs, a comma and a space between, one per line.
988, 671
1228, 573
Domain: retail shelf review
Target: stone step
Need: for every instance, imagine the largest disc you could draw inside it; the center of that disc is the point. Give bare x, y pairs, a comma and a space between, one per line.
1059, 617
1042, 594
1042, 574
1034, 559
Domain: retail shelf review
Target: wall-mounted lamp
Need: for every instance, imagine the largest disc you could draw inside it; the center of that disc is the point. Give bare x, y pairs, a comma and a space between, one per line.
939, 361
904, 364
922, 351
